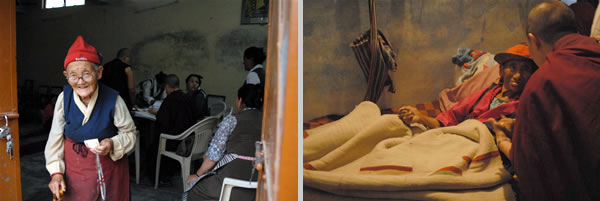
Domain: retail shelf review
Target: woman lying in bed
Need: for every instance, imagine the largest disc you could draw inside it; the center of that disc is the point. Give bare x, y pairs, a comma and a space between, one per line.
499, 99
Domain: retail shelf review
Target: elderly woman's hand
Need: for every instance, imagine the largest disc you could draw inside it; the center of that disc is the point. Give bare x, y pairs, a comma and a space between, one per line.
504, 123
190, 179
56, 184
410, 115
502, 126
104, 148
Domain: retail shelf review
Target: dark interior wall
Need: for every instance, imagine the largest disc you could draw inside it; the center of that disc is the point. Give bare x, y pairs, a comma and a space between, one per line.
180, 37
425, 34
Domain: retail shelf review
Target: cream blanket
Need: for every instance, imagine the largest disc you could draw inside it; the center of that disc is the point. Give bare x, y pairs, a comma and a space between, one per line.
385, 160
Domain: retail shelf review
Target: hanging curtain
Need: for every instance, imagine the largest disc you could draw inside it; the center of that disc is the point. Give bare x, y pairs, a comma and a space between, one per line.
375, 70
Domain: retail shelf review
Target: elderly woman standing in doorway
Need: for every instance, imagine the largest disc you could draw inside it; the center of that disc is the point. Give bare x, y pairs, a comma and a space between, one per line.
88, 110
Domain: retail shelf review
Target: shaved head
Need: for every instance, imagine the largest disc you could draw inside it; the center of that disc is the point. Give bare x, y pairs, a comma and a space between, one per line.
549, 21
123, 52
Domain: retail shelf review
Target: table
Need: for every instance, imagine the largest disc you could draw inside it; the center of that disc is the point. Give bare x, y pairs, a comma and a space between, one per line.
145, 123
144, 114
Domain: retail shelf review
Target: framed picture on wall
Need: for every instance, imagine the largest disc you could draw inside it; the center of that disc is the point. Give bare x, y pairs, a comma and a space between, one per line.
255, 11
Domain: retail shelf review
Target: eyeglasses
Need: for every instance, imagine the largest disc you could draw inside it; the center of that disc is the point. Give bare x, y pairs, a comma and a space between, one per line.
87, 77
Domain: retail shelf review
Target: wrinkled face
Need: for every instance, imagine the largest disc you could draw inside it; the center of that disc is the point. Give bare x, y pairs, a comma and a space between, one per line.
83, 78
248, 63
515, 75
193, 83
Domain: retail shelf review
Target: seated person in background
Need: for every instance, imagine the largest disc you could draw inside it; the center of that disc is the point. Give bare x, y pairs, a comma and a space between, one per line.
235, 134
198, 96
497, 100
151, 90
174, 116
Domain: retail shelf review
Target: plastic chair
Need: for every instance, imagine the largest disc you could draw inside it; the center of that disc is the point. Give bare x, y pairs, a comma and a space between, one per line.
203, 131
136, 149
217, 108
229, 183
227, 111
213, 98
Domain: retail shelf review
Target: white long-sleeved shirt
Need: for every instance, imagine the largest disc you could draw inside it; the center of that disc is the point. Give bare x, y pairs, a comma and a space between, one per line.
123, 142
150, 90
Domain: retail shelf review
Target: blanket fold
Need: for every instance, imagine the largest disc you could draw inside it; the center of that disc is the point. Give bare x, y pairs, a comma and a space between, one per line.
387, 158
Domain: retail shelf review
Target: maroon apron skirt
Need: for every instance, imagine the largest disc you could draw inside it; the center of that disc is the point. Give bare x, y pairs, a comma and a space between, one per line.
81, 174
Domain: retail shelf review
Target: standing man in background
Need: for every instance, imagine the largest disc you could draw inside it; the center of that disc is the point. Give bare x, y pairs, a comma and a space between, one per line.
252, 60
119, 76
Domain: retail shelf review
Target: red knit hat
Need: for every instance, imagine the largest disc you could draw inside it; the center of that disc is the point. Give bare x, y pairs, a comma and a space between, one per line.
81, 51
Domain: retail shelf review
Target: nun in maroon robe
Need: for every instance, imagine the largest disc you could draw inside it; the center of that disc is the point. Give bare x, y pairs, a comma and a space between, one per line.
556, 138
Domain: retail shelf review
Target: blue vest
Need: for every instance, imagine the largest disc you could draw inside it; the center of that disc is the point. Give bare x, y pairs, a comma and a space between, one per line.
100, 125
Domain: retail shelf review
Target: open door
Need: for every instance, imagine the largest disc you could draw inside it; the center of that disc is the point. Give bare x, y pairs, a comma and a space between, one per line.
10, 167
279, 179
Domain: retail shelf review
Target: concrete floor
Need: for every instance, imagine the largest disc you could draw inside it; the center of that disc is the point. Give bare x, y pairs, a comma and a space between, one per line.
34, 183
35, 179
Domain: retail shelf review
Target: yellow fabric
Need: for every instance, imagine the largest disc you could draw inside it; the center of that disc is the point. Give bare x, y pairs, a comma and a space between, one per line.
321, 140
387, 142
386, 126
595, 29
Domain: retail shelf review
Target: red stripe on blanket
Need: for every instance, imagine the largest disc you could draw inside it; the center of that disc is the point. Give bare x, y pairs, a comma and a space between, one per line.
468, 159
449, 170
308, 166
387, 167
304, 134
486, 156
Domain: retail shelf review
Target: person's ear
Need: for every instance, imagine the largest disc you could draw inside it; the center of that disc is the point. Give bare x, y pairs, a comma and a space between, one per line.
65, 73
239, 103
100, 69
534, 40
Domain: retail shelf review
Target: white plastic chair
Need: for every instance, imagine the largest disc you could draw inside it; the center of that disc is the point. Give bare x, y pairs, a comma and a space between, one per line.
229, 183
136, 150
218, 108
230, 110
227, 111
203, 131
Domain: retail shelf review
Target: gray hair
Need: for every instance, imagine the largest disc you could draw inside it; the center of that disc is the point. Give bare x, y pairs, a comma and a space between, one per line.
172, 81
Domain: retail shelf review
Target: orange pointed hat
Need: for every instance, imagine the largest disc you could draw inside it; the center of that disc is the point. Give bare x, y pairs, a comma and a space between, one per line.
81, 51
